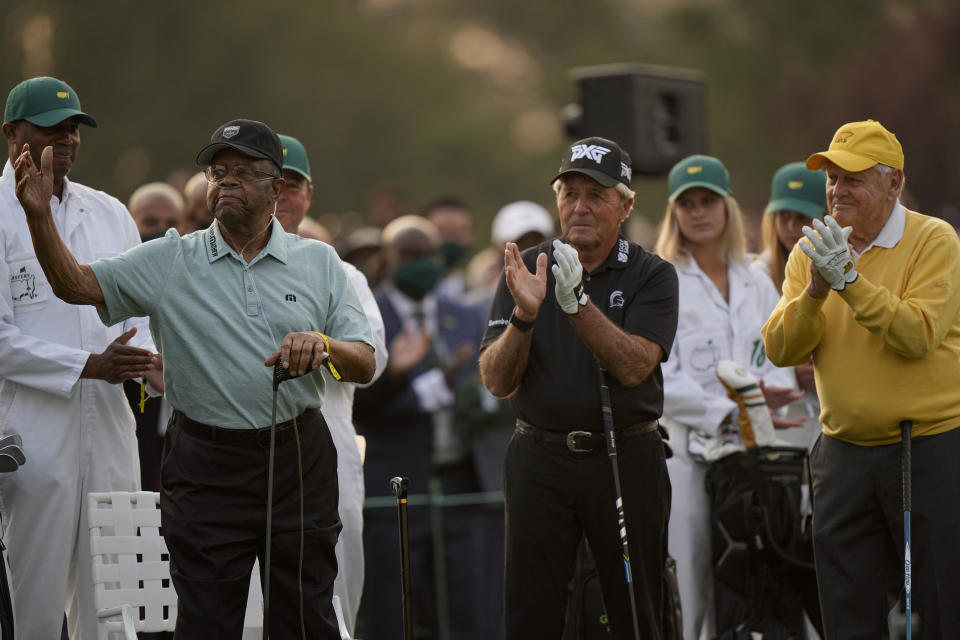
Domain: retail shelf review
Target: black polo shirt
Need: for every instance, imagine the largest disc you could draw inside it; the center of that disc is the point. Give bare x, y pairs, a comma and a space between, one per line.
560, 389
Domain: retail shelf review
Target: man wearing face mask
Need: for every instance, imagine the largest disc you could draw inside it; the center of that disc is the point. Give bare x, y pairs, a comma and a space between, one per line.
406, 417
454, 222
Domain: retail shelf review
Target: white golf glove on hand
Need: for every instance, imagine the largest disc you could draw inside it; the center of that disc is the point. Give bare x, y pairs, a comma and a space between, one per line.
568, 272
828, 250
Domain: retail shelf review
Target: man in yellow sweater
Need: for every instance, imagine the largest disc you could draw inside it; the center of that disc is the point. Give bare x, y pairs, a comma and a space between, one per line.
873, 294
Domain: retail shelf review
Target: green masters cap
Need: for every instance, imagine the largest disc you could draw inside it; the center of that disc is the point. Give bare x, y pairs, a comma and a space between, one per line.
295, 156
796, 188
45, 102
699, 171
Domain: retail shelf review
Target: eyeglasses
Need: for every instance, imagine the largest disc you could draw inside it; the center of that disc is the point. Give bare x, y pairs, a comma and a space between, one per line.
242, 173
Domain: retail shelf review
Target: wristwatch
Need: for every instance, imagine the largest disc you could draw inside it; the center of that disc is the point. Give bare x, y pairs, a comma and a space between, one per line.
522, 325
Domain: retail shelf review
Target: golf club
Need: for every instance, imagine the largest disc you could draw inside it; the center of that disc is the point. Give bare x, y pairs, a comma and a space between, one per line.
399, 487
621, 520
906, 427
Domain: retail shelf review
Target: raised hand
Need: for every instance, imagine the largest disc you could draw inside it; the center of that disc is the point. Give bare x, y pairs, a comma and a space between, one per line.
119, 362
528, 289
34, 186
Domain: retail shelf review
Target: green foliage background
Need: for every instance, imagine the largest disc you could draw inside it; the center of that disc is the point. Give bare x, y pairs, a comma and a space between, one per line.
378, 93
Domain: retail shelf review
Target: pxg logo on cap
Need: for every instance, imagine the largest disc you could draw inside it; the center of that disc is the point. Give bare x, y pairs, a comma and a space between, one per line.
599, 159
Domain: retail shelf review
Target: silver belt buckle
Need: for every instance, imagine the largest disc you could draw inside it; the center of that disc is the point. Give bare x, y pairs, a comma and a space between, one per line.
572, 442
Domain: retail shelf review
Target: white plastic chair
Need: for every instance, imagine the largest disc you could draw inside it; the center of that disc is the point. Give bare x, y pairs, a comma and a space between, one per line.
131, 567
131, 570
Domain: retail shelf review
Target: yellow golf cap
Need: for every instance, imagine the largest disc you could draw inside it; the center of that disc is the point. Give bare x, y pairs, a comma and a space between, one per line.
857, 146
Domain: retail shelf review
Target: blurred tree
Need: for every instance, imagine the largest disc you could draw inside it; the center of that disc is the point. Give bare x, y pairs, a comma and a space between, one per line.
464, 98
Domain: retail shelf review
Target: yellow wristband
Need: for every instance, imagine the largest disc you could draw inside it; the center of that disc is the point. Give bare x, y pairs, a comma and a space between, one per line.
327, 361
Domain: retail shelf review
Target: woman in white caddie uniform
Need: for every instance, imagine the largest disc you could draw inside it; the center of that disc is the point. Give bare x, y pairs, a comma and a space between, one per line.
722, 307
797, 197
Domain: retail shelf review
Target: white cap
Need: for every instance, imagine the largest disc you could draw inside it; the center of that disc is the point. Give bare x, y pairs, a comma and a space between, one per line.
518, 218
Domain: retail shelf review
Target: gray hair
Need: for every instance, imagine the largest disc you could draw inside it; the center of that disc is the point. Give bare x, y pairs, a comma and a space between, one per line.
885, 171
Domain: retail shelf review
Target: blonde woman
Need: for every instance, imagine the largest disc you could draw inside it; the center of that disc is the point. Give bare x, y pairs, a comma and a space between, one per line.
723, 304
797, 196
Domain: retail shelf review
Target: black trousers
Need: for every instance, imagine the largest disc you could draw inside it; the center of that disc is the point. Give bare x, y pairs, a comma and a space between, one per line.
554, 497
858, 535
213, 505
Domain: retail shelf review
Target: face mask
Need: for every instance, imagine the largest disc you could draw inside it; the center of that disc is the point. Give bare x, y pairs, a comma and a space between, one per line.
152, 236
452, 252
416, 279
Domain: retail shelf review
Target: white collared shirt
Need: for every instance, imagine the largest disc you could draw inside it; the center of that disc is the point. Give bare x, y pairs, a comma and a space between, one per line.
891, 232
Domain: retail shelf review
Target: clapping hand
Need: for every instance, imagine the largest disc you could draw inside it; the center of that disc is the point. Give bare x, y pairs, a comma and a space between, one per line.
827, 249
528, 289
568, 272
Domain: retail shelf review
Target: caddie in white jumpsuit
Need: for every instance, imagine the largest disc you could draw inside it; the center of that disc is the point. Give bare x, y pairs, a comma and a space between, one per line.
713, 325
78, 433
337, 406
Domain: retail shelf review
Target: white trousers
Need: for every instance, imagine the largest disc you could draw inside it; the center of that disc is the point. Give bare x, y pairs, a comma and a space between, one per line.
73, 446
348, 584
689, 536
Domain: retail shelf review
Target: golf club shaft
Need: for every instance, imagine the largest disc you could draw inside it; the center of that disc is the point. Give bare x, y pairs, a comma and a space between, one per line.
906, 428
399, 487
607, 409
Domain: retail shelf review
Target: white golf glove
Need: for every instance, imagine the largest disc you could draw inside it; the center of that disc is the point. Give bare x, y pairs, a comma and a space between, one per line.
828, 250
568, 272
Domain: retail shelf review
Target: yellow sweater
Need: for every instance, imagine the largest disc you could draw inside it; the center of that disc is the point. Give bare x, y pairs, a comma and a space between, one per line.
886, 348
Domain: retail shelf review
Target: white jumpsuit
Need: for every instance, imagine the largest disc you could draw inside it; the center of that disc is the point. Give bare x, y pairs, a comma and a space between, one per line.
338, 412
709, 329
78, 435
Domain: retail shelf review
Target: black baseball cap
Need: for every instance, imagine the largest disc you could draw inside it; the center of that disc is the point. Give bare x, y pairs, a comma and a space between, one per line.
598, 158
249, 137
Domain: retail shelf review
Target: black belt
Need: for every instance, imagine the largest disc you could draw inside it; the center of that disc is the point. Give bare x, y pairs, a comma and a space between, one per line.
583, 441
248, 438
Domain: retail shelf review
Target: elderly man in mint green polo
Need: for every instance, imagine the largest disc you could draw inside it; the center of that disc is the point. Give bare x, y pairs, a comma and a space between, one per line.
292, 206
225, 305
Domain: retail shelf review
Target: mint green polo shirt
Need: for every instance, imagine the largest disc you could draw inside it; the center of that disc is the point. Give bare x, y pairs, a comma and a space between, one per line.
215, 319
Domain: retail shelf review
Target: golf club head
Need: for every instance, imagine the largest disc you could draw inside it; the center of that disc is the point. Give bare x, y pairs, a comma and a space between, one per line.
8, 463
15, 452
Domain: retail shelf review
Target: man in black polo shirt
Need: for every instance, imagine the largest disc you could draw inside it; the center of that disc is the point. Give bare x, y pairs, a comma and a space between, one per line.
605, 302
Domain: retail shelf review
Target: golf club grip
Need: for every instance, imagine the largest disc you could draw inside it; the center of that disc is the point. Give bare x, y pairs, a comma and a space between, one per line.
399, 487
281, 374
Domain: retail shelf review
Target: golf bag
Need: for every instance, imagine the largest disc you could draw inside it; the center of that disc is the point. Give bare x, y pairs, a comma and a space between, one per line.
587, 615
762, 544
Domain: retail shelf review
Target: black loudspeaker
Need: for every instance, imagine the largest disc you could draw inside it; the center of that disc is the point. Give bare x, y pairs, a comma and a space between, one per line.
654, 113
